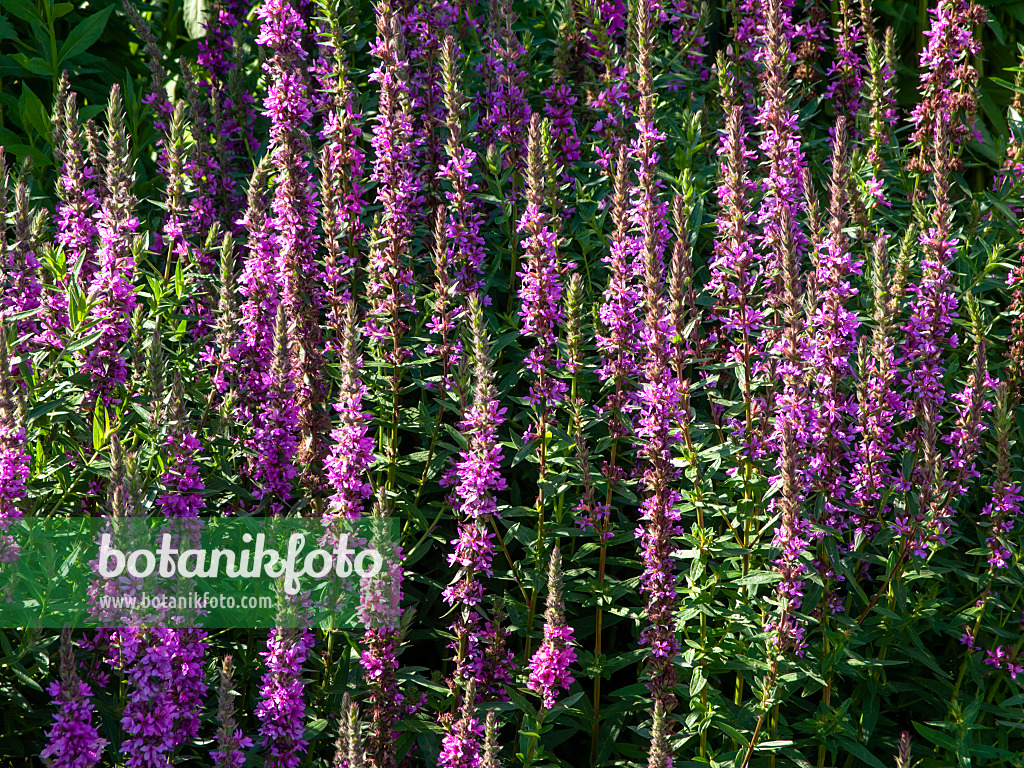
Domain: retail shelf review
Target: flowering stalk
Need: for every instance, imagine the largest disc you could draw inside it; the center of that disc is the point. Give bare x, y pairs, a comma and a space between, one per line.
465, 218
293, 223
351, 453
927, 332
260, 287
781, 146
232, 113
398, 193
225, 358
658, 399
73, 740
282, 706
972, 403
22, 290
1004, 508
444, 314
881, 98
274, 428
489, 758
15, 462
160, 712
390, 288
476, 480
736, 270
75, 222
230, 738
560, 103
503, 106
549, 667
682, 292
948, 81
111, 285
348, 749
460, 747
381, 614
845, 73
831, 344
879, 403
340, 163
619, 312
540, 291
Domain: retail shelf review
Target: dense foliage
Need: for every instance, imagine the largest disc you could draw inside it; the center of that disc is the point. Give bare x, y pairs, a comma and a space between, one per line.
684, 342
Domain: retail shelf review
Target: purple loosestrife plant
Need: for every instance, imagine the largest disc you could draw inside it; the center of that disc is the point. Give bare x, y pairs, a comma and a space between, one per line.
505, 112
461, 745
151, 660
845, 74
658, 398
927, 332
540, 291
75, 221
261, 288
22, 290
881, 97
791, 537
282, 707
465, 219
880, 405
782, 149
73, 740
183, 495
230, 738
15, 463
620, 310
275, 428
831, 345
111, 286
381, 614
232, 111
348, 749
972, 402
792, 423
1004, 508
549, 667
351, 453
340, 164
476, 480
560, 104
948, 81
423, 26
444, 314
223, 356
390, 286
294, 220
183, 498
736, 268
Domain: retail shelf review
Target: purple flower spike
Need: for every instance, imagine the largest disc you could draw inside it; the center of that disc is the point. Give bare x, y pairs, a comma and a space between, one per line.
549, 667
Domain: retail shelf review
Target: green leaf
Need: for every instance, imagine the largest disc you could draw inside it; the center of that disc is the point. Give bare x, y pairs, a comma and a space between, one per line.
6, 30
860, 751
195, 12
23, 11
60, 10
85, 34
33, 114
938, 738
35, 65
99, 417
42, 410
